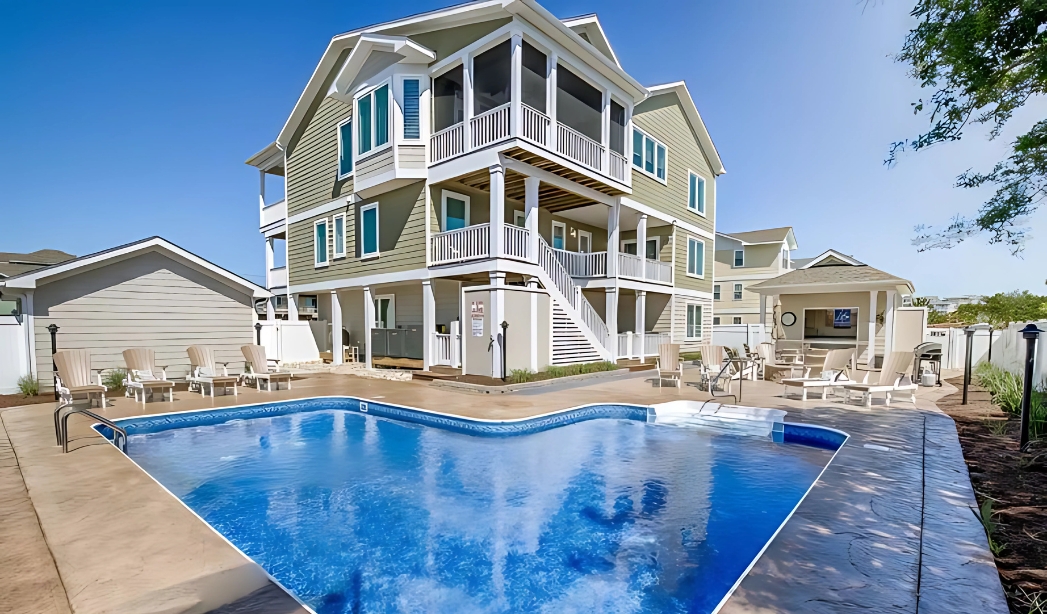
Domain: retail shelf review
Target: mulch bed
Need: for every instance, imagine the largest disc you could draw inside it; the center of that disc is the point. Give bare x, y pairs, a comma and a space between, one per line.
17, 400
1016, 483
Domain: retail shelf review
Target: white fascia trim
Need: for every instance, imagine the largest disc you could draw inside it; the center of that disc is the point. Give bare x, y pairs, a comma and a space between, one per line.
419, 274
411, 53
334, 205
36, 278
834, 288
665, 217
695, 119
829, 254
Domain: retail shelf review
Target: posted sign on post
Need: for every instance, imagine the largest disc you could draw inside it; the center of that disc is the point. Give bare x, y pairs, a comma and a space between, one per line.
476, 318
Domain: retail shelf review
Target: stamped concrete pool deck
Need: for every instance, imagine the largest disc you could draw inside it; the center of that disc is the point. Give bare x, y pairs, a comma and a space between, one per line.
890, 526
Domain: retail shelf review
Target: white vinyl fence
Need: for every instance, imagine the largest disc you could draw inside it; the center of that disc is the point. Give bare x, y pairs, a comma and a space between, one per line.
737, 335
1008, 348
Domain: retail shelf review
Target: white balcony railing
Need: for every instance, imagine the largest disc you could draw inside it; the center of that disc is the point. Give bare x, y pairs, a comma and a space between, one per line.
618, 166
630, 266
535, 125
270, 214
490, 126
629, 344
447, 143
277, 277
578, 147
516, 241
645, 269
461, 244
443, 350
581, 264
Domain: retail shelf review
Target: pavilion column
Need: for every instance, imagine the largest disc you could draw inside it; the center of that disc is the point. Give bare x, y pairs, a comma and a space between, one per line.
888, 324
871, 361
336, 329
611, 318
428, 323
763, 309
641, 319
531, 185
613, 235
368, 325
497, 209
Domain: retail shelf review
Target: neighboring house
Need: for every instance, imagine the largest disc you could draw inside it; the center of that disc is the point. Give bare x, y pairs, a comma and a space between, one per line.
491, 144
744, 259
833, 300
12, 264
951, 304
150, 293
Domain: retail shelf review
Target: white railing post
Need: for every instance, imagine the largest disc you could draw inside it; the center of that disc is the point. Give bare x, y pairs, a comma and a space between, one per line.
613, 214
497, 208
531, 186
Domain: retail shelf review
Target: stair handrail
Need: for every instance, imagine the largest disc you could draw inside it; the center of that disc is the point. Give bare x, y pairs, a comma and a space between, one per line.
561, 277
63, 433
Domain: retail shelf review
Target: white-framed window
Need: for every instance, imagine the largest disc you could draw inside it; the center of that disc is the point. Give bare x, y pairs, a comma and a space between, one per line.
345, 148
654, 245
338, 223
454, 210
412, 93
716, 292
785, 257
739, 257
369, 231
559, 235
737, 292
385, 311
372, 114
716, 320
737, 319
694, 321
519, 218
695, 193
695, 257
585, 241
320, 255
650, 155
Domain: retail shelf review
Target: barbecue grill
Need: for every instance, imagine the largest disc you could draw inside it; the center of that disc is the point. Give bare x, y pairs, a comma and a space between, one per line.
929, 352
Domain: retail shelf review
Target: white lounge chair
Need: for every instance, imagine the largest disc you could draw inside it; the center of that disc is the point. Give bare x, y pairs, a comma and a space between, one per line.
834, 374
74, 377
713, 373
142, 375
669, 365
204, 371
892, 378
258, 369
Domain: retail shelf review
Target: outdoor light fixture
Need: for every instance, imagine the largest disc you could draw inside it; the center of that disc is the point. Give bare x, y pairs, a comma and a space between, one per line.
53, 329
258, 332
1030, 333
969, 331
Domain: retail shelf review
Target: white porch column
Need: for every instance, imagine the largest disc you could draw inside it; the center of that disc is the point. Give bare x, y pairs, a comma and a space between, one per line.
605, 130
428, 322
467, 102
269, 259
532, 282
292, 307
497, 317
515, 71
497, 209
368, 325
641, 317
763, 309
261, 190
611, 318
336, 329
872, 329
641, 242
888, 324
553, 63
531, 185
613, 238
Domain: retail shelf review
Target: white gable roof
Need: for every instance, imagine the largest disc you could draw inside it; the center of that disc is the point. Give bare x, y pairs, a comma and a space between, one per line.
831, 253
680, 89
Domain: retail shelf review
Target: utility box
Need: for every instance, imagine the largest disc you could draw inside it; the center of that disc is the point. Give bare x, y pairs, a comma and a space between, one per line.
528, 338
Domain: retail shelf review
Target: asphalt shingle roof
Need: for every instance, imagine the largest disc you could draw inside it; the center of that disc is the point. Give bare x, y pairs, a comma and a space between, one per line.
843, 274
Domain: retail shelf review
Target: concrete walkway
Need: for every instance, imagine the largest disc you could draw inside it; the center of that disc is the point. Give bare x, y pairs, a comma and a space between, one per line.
887, 528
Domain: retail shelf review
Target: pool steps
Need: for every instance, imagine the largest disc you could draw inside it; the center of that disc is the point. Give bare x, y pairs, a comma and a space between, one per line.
736, 419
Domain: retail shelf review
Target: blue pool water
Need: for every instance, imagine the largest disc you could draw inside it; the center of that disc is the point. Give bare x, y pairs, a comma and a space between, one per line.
359, 513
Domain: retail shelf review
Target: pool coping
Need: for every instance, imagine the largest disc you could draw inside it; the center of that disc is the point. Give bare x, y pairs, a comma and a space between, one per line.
541, 422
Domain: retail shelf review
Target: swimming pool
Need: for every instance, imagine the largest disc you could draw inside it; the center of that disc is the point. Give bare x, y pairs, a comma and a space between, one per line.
394, 510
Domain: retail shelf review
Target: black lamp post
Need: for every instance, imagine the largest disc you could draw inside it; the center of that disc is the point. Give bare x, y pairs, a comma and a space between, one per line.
505, 367
969, 331
258, 333
53, 329
1030, 333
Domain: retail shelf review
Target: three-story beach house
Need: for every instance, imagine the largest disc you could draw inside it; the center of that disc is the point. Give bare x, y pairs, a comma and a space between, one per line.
492, 145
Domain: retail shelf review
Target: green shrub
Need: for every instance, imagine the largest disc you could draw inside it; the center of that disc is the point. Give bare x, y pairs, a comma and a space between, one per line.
691, 356
114, 379
520, 376
1006, 389
28, 386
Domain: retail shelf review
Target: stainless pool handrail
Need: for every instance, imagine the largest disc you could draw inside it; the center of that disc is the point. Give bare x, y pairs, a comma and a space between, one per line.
117, 430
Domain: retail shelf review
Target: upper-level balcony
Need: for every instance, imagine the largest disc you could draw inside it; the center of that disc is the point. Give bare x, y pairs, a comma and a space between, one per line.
513, 90
272, 216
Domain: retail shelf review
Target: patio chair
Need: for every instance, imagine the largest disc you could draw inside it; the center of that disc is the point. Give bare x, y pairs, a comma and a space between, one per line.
258, 369
711, 369
834, 374
142, 375
204, 371
669, 365
892, 378
74, 377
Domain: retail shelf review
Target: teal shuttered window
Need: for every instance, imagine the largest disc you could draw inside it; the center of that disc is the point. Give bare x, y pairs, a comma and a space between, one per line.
372, 110
320, 243
412, 118
369, 230
649, 155
345, 149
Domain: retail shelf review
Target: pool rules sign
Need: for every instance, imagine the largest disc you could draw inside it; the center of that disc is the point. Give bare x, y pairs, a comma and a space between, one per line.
476, 318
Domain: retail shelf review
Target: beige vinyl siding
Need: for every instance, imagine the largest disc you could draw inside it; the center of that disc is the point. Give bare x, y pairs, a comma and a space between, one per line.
401, 241
449, 41
664, 119
374, 165
683, 280
759, 260
412, 156
148, 301
312, 166
664, 235
679, 315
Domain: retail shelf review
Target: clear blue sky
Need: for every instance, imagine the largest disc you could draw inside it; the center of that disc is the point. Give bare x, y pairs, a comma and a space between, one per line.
122, 120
